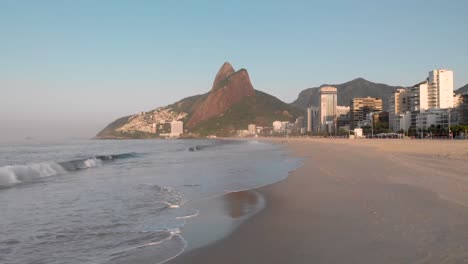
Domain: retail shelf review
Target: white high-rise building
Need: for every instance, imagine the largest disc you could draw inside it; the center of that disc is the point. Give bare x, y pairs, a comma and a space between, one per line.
440, 89
434, 93
328, 103
177, 128
419, 97
309, 119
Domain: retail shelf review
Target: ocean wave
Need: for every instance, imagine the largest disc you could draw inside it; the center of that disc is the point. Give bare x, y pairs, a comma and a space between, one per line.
14, 174
201, 147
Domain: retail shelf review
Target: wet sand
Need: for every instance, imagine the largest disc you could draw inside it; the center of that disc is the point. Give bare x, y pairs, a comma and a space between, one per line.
358, 201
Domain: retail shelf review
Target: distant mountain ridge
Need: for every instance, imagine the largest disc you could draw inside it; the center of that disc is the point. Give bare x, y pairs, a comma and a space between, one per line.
231, 105
346, 92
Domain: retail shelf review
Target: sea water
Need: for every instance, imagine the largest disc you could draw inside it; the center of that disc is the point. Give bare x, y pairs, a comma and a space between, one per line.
110, 201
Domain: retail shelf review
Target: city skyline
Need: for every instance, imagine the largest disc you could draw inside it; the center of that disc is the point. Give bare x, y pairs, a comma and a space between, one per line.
206, 132
73, 67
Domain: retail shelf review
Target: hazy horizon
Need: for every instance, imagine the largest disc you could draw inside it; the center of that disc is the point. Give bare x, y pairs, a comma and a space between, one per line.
70, 68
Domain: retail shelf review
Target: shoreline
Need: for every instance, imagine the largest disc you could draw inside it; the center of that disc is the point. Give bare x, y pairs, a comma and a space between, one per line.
219, 216
324, 213
241, 209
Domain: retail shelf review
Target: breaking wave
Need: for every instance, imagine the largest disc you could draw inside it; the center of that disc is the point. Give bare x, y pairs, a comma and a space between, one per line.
14, 174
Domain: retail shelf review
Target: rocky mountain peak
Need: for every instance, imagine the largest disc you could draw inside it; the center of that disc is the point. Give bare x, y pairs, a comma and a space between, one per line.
229, 88
224, 72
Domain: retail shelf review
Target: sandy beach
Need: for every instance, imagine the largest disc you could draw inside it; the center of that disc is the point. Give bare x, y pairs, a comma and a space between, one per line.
358, 201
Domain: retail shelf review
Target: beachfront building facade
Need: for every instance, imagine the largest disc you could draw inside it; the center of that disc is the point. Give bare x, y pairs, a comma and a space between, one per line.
283, 127
463, 108
300, 125
252, 128
403, 121
434, 93
313, 122
433, 117
435, 96
440, 89
277, 125
327, 109
419, 100
343, 117
242, 133
419, 97
398, 104
361, 107
177, 128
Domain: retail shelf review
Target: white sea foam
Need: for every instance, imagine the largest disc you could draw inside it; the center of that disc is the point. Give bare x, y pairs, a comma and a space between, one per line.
174, 231
172, 206
189, 216
93, 162
7, 176
10, 175
14, 174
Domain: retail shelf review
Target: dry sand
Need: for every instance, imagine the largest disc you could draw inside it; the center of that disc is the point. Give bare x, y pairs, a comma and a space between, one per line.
358, 201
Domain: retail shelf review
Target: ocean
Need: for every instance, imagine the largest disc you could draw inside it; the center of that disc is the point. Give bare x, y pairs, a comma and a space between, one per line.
128, 201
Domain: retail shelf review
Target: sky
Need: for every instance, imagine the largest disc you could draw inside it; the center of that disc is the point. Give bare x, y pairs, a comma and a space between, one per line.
68, 68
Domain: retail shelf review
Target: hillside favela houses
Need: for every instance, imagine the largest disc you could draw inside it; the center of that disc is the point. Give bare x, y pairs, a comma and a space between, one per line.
157, 123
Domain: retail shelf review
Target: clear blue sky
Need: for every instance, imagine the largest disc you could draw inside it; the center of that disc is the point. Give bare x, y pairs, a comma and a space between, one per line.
67, 68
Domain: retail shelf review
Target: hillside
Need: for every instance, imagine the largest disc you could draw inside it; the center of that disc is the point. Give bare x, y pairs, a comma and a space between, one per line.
229, 88
462, 90
142, 122
346, 92
110, 130
231, 105
261, 109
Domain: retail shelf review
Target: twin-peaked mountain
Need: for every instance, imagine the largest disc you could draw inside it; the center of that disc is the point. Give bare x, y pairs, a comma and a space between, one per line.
232, 104
229, 88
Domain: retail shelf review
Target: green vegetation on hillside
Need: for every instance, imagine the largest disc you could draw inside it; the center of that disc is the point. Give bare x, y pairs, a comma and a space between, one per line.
110, 130
186, 105
261, 109
346, 92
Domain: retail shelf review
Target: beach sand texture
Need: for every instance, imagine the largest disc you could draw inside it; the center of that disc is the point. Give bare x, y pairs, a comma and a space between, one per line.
358, 201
